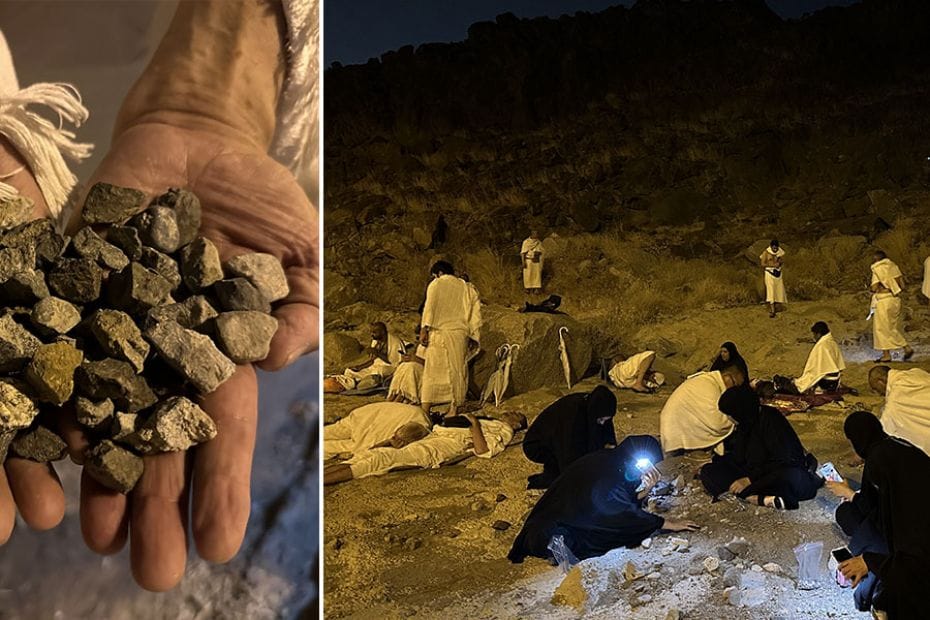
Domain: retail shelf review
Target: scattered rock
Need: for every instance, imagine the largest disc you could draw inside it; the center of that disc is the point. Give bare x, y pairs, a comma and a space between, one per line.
90, 245
123, 426
200, 264
39, 444
76, 279
771, 567
245, 336
119, 337
501, 526
647, 542
191, 354
17, 408
38, 238
711, 563
500, 497
111, 204
732, 596
571, 592
264, 271
738, 546
94, 415
725, 554
695, 569
112, 466
631, 573
15, 260
732, 576
176, 424
412, 544
673, 614
643, 599
55, 315
240, 294
51, 371
163, 265
756, 568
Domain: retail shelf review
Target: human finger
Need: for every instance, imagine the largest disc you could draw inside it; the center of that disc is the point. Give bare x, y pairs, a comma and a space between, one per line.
297, 334
158, 522
104, 516
37, 492
7, 509
223, 466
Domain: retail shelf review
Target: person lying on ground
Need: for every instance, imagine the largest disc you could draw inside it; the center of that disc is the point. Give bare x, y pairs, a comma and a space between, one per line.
550, 305
483, 438
636, 373
887, 316
729, 355
764, 461
375, 363
824, 365
892, 467
369, 426
596, 504
906, 413
405, 382
690, 419
568, 429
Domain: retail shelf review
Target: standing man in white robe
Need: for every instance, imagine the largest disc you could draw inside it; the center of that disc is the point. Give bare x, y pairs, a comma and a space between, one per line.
925, 289
888, 318
772, 260
451, 321
531, 253
906, 413
690, 419
824, 363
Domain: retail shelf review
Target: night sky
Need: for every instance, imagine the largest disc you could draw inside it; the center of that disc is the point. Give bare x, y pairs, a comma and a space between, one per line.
356, 30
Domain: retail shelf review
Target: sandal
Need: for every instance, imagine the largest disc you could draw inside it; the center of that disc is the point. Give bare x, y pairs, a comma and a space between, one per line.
908, 355
777, 502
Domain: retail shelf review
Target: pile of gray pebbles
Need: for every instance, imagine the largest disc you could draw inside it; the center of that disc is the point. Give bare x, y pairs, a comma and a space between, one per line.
129, 322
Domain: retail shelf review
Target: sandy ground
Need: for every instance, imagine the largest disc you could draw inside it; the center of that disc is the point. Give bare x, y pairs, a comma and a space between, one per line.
421, 543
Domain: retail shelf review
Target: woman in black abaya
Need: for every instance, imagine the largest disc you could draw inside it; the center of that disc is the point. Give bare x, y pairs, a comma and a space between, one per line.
596, 504
567, 429
729, 356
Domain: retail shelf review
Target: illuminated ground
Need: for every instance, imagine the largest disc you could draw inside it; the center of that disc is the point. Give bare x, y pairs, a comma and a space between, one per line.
421, 543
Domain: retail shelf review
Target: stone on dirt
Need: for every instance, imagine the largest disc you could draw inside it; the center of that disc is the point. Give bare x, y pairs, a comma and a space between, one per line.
114, 467
111, 204
51, 371
264, 271
191, 354
39, 444
571, 592
245, 336
116, 380
200, 264
55, 315
119, 337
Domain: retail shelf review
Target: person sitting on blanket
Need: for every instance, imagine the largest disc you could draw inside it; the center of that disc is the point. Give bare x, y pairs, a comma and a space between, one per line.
596, 504
371, 425
822, 370
483, 438
636, 373
405, 382
906, 413
566, 430
764, 462
690, 420
377, 362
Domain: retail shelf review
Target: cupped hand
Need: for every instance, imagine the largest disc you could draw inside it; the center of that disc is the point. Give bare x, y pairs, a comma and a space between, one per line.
32, 487
250, 204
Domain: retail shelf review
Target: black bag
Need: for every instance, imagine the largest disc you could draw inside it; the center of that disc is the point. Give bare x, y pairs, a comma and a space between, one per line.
776, 273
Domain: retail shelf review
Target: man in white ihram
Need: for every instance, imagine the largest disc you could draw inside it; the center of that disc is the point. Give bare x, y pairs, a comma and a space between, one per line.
772, 260
690, 419
531, 255
451, 321
888, 319
906, 413
824, 363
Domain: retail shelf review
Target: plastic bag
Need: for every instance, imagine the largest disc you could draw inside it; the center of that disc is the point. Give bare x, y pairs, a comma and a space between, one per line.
808, 555
562, 554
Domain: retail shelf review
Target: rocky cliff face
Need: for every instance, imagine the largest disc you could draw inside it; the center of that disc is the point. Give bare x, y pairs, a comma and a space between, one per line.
666, 113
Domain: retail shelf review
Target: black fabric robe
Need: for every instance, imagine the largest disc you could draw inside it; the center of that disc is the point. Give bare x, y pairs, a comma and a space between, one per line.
568, 429
763, 447
593, 505
895, 480
735, 360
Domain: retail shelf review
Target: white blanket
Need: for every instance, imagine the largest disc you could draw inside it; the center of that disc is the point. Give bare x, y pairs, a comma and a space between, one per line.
369, 425
690, 418
825, 358
907, 406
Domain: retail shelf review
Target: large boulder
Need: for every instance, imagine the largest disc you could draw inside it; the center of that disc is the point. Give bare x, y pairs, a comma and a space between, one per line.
338, 350
537, 364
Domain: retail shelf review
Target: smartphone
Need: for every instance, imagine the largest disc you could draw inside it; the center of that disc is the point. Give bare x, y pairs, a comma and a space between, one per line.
841, 554
828, 472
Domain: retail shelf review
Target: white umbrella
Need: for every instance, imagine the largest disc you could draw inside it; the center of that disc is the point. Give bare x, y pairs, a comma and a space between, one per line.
500, 378
563, 353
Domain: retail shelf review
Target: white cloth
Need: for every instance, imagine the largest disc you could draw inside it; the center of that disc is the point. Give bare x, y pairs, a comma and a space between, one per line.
407, 377
907, 406
925, 289
886, 272
774, 286
690, 418
887, 322
395, 349
825, 358
532, 272
440, 446
625, 373
369, 425
452, 314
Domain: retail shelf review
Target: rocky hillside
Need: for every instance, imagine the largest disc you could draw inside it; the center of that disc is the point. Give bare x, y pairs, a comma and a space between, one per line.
714, 122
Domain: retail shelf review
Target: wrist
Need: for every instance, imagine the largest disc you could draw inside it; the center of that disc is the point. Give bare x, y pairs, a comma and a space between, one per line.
220, 67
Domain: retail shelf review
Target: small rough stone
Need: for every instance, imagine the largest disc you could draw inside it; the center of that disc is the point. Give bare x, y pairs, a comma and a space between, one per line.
162, 264
673, 614
200, 264
191, 354
15, 210
94, 415
17, 345
732, 576
245, 336
711, 563
136, 288
187, 210
630, 572
17, 408
6, 438
571, 592
771, 567
158, 228
116, 380
738, 546
647, 542
16, 260
264, 271
191, 313
38, 237
240, 294
119, 337
176, 424
89, 244
51, 371
725, 554
412, 544
26, 287
126, 238
501, 525
732, 596
111, 204
695, 569
112, 466
55, 315
500, 497
76, 279
39, 444
123, 426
